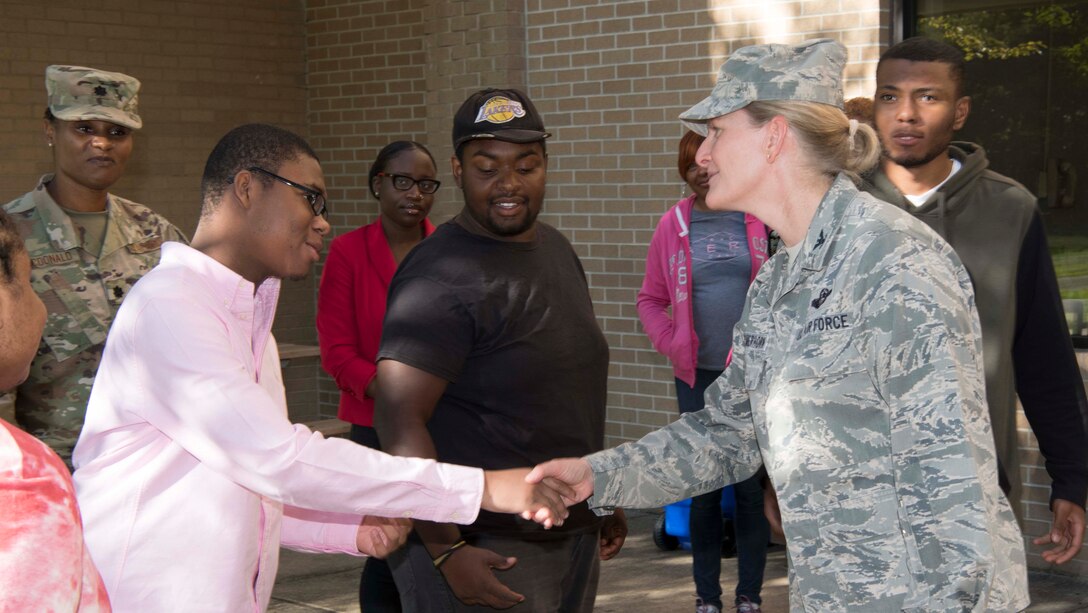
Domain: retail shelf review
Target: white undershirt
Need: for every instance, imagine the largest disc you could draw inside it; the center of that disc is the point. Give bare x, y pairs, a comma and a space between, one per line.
921, 199
793, 252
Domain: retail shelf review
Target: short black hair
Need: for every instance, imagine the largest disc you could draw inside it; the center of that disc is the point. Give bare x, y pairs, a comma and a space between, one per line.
254, 144
11, 245
389, 152
922, 49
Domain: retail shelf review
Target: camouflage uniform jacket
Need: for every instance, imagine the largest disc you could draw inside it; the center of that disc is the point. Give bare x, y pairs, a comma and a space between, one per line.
81, 291
857, 380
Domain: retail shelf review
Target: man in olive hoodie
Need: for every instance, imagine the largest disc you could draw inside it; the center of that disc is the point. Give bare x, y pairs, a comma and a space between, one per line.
994, 225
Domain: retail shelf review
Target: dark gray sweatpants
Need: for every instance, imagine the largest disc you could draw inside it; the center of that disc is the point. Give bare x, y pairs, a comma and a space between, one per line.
554, 576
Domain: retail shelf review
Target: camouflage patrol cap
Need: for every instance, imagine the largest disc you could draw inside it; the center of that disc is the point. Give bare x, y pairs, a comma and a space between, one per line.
808, 72
78, 93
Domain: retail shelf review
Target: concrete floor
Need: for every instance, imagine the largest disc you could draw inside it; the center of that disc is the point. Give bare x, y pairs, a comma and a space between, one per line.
641, 578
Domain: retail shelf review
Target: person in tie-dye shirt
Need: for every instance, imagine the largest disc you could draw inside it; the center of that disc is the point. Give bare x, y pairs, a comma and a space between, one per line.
44, 565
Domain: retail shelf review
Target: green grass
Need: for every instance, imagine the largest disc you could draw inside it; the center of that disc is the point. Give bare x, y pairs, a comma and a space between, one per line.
1070, 255
1071, 294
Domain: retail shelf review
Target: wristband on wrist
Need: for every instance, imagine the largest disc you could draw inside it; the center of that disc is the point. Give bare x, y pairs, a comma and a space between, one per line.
441, 558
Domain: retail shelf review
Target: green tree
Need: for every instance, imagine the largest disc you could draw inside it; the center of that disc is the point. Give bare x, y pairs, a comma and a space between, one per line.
1000, 35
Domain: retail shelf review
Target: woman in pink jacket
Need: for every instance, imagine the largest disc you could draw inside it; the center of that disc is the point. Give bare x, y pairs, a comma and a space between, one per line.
351, 306
700, 264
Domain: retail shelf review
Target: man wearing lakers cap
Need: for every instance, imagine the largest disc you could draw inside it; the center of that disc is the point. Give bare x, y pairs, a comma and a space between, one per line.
491, 356
87, 246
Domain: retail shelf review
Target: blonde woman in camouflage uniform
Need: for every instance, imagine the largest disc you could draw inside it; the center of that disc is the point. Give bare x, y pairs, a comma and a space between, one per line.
87, 247
856, 376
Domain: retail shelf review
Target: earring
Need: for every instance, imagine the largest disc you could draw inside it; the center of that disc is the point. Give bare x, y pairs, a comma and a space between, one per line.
683, 190
50, 144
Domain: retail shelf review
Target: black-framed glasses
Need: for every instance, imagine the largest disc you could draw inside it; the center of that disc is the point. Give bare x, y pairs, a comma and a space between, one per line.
312, 196
403, 183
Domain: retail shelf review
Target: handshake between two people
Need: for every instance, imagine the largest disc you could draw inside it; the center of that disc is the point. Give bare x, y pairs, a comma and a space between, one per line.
541, 494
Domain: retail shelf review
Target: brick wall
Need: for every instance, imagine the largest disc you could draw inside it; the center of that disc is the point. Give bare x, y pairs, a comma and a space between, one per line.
206, 66
383, 71
365, 75
610, 78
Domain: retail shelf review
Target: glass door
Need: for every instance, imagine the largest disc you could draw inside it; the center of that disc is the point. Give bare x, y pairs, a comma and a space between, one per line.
1028, 80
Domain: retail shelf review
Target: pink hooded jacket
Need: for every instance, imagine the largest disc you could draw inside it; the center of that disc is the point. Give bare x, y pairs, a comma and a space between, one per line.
668, 283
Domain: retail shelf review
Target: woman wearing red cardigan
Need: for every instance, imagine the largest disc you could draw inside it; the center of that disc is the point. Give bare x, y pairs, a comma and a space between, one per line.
351, 306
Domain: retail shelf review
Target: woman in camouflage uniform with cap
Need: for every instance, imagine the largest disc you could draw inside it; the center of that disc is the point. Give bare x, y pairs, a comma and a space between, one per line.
87, 246
856, 376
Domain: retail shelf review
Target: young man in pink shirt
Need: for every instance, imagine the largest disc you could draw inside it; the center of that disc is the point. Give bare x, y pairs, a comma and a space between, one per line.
189, 473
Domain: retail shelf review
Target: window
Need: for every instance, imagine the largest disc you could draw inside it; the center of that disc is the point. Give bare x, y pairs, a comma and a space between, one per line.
1027, 77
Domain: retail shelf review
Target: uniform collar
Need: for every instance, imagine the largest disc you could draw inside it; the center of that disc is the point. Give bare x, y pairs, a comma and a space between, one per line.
816, 252
62, 233
232, 290
58, 226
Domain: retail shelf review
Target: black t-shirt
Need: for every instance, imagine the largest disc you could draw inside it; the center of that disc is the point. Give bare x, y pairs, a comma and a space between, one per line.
511, 327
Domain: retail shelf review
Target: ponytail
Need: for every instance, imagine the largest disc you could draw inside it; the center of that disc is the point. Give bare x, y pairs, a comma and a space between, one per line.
833, 143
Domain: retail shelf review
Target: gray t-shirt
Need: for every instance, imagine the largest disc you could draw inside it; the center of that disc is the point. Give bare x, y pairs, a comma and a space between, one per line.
721, 267
91, 227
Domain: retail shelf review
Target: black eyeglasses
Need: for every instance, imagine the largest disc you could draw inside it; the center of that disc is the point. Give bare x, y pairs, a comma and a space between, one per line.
312, 196
403, 183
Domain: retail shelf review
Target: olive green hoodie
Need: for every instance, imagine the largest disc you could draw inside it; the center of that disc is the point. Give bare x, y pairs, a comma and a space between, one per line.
994, 225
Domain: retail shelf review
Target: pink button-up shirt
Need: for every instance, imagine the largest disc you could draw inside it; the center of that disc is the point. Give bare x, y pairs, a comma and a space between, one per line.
188, 472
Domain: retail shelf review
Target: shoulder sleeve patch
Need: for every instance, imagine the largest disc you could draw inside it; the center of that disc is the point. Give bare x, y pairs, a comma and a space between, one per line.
147, 246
